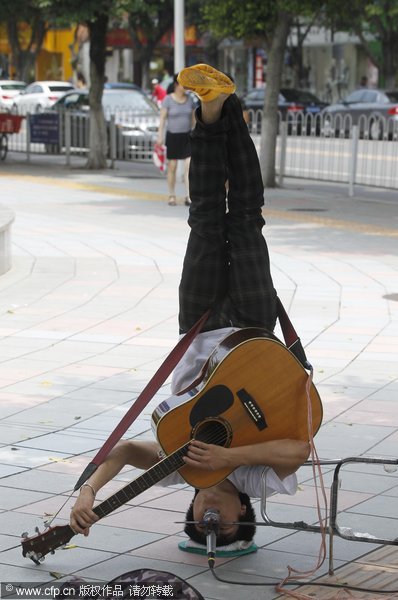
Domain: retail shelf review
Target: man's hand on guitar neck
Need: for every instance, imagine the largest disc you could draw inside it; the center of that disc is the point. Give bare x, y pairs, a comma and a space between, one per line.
82, 515
208, 457
139, 454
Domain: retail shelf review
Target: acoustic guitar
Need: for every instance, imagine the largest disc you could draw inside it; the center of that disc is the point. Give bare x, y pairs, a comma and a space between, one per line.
254, 390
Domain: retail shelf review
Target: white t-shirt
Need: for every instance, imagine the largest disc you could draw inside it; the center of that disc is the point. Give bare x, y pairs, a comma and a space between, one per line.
195, 357
248, 480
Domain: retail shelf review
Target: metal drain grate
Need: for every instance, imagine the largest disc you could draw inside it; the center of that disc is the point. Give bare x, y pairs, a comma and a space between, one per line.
307, 209
393, 297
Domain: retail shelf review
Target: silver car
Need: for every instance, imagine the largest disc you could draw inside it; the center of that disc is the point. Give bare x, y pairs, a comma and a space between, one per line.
135, 116
374, 111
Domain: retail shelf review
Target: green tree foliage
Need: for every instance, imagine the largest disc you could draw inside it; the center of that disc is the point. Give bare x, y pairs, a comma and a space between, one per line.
270, 20
376, 20
148, 21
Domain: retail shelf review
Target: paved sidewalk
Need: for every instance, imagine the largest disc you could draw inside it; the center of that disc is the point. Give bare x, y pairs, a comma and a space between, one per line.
89, 311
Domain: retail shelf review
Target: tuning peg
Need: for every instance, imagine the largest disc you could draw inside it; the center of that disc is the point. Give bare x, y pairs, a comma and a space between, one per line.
42, 559
52, 552
24, 534
33, 556
37, 530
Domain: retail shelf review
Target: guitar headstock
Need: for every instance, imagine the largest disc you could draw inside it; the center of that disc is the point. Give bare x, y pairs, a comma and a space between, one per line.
38, 546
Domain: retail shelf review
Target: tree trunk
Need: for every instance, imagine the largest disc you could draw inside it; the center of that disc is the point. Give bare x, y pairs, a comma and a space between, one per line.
24, 63
390, 63
98, 131
146, 55
269, 129
24, 59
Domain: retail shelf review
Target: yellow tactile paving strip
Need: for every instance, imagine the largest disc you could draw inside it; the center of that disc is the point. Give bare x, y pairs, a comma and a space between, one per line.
153, 196
333, 223
377, 570
89, 187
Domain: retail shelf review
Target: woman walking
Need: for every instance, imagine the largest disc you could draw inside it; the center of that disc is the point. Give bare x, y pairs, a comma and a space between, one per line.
177, 119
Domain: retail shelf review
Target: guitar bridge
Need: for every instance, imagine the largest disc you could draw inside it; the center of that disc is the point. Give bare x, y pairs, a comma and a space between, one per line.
253, 409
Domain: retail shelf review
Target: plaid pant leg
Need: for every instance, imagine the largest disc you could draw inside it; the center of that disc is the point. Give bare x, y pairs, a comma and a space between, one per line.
204, 277
250, 287
246, 190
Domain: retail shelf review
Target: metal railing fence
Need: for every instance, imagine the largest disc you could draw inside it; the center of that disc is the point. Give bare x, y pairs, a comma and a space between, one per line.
308, 146
337, 149
130, 135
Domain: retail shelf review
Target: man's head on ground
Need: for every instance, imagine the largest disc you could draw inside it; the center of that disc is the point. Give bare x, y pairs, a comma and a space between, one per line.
232, 505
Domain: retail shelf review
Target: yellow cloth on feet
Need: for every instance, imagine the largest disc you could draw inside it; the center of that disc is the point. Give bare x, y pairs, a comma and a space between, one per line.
205, 81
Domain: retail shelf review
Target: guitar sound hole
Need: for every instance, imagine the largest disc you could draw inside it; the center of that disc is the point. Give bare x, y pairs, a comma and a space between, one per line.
213, 431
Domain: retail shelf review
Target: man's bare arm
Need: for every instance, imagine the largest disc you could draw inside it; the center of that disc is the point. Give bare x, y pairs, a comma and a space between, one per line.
139, 454
284, 456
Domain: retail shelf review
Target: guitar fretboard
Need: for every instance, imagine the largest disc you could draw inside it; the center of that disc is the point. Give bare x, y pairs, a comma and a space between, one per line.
168, 465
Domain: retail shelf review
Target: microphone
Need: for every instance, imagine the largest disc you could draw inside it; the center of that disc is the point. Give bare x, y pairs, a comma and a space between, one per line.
211, 520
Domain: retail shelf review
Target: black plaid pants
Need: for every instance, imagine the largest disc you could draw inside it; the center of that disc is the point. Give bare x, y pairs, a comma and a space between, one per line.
226, 265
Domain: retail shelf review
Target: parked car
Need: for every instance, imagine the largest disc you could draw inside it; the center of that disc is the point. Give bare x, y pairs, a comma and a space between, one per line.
39, 96
121, 85
136, 119
375, 111
293, 105
8, 90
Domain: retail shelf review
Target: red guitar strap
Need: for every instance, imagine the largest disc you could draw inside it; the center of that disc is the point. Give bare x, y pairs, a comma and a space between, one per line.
290, 336
145, 396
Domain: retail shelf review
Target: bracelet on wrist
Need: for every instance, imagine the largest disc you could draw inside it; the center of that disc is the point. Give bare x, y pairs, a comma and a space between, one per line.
91, 488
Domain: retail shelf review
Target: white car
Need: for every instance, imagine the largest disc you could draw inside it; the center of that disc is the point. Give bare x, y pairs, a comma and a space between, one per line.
8, 90
39, 96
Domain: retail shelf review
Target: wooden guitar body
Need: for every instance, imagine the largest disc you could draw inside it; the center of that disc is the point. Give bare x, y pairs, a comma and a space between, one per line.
254, 391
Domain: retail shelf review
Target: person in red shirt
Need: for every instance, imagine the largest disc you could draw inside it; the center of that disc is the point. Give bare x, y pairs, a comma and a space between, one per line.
158, 93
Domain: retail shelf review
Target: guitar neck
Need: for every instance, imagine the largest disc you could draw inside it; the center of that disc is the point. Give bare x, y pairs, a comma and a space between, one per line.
165, 467
37, 547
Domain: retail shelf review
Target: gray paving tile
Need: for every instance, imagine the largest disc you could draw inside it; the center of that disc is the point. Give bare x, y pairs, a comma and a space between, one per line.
6, 470
116, 539
213, 589
20, 456
121, 564
8, 541
378, 506
308, 544
10, 498
40, 481
352, 440
65, 560
61, 443
270, 563
23, 573
374, 525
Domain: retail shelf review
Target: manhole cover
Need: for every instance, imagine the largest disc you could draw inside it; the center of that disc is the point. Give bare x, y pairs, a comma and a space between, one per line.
393, 297
307, 209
